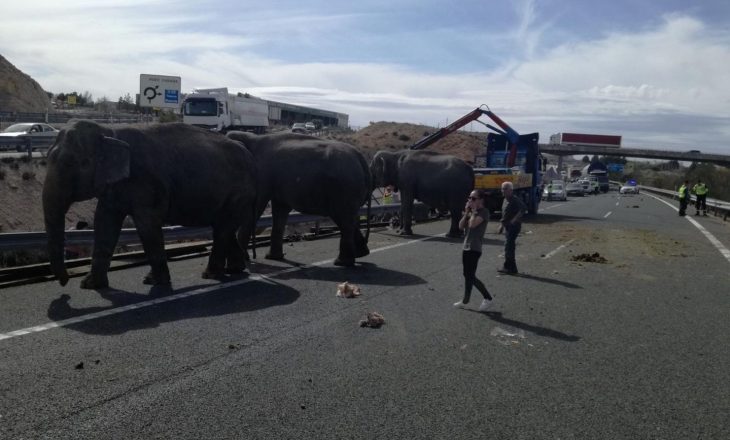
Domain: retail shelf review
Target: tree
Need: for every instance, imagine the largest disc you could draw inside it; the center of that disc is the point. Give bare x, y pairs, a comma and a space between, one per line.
125, 103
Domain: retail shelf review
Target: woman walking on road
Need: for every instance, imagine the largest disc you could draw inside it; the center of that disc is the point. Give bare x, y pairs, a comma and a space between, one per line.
474, 222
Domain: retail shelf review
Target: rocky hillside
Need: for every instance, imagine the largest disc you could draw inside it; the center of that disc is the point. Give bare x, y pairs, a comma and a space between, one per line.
396, 136
19, 92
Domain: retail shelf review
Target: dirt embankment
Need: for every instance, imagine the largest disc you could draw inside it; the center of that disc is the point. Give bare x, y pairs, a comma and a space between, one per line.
21, 186
21, 181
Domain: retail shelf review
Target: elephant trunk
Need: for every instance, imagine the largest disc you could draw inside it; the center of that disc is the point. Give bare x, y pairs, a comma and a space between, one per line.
54, 213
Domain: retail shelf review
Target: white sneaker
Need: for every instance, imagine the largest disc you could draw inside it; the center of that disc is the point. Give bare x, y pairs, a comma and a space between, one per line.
485, 305
459, 305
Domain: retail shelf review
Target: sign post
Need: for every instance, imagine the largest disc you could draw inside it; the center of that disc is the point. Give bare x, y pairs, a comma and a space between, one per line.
159, 91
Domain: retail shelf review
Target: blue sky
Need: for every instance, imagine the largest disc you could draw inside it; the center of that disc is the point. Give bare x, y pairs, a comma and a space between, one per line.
655, 72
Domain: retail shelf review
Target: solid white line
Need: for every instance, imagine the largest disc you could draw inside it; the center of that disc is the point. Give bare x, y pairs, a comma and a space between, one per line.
553, 206
196, 292
558, 249
715, 242
607, 214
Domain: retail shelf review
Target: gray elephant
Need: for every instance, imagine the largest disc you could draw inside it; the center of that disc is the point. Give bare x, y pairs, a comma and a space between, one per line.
313, 176
164, 174
440, 181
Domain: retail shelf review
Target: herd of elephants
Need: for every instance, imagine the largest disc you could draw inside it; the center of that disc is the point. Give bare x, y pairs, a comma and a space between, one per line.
178, 174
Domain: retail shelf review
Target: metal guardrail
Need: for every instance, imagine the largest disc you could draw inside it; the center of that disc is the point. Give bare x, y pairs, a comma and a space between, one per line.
28, 143
38, 240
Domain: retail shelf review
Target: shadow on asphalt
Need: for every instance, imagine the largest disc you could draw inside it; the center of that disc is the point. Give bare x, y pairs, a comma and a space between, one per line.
546, 280
540, 331
545, 218
254, 295
362, 273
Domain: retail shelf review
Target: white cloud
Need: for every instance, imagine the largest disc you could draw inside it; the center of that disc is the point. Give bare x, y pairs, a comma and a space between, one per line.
676, 71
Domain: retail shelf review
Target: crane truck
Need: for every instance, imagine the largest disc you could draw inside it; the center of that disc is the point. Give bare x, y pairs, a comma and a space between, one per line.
509, 157
218, 110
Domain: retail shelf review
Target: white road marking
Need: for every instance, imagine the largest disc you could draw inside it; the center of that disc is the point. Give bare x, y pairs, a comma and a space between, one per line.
558, 249
607, 214
196, 292
553, 206
617, 203
715, 242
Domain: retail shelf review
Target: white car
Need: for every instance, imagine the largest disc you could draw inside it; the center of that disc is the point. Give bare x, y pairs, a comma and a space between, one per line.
628, 189
299, 127
40, 134
575, 189
554, 191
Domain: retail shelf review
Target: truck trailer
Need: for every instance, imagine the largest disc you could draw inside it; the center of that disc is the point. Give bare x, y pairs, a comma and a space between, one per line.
592, 140
218, 110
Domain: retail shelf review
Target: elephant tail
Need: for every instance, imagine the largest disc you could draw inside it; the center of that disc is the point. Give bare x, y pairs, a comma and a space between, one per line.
367, 229
253, 231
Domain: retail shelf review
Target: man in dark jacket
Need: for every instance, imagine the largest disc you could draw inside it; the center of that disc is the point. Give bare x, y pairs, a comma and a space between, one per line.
512, 211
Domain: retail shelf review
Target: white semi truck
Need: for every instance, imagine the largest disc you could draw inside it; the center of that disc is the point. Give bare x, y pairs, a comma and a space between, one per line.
216, 109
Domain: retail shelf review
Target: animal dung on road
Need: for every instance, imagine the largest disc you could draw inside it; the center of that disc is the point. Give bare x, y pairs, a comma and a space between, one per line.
347, 290
589, 258
373, 320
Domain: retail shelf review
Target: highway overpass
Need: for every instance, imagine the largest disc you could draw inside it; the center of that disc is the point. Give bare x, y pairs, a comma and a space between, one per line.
689, 156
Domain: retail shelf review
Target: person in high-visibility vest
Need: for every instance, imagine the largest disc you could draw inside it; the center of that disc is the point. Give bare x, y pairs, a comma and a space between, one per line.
683, 194
388, 195
700, 190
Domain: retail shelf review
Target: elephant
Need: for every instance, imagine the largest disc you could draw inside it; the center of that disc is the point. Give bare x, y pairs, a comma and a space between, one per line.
313, 176
441, 181
172, 173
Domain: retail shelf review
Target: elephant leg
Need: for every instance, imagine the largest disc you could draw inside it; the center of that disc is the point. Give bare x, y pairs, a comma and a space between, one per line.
454, 231
223, 237
280, 215
149, 229
406, 214
361, 246
237, 258
107, 226
347, 253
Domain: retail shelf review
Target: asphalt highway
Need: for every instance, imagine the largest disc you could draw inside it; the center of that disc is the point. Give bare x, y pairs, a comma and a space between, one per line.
634, 347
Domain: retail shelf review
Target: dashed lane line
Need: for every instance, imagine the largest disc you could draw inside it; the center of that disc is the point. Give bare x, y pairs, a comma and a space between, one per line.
607, 214
558, 249
715, 242
196, 292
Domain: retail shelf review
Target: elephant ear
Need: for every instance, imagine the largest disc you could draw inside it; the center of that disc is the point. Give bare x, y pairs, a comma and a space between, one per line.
112, 162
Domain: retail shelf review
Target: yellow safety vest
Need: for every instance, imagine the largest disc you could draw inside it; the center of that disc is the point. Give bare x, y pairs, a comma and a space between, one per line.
700, 189
682, 192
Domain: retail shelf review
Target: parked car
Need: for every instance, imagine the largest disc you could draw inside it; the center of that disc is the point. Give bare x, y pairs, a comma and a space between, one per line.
40, 134
574, 189
310, 126
299, 127
629, 188
554, 191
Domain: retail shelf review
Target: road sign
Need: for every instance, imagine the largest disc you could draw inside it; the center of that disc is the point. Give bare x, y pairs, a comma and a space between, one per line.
615, 168
159, 91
